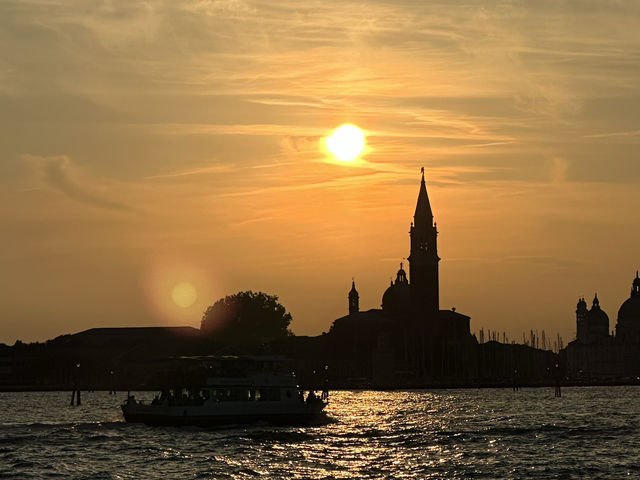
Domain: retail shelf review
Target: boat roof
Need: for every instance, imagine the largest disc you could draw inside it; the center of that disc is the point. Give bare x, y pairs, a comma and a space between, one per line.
254, 380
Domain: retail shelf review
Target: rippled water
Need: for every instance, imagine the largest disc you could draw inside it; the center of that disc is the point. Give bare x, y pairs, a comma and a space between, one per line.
588, 433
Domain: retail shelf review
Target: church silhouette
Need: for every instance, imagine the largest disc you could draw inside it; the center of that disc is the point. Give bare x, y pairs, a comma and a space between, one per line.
409, 340
598, 354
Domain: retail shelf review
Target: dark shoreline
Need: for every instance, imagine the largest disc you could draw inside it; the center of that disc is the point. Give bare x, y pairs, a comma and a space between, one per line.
441, 386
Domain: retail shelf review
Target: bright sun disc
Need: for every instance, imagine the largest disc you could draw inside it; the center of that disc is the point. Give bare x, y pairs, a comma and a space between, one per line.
184, 294
346, 142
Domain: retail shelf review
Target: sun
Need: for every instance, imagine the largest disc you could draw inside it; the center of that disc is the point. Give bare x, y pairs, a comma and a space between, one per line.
184, 294
346, 142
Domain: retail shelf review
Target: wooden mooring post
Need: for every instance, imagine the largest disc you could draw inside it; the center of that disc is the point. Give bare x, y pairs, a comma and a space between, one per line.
75, 395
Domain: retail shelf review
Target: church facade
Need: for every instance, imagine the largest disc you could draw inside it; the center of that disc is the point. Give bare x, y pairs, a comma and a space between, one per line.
600, 354
409, 340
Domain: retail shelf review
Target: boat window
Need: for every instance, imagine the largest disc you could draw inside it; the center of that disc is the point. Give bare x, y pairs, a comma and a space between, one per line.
221, 395
274, 394
288, 393
240, 394
268, 394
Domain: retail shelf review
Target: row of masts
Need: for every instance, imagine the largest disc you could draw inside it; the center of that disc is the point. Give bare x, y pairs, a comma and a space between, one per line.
535, 340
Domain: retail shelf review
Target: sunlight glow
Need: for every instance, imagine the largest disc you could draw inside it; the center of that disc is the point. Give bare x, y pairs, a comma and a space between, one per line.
346, 142
177, 289
184, 294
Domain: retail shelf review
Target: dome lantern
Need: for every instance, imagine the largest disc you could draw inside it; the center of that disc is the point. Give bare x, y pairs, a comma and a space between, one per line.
635, 288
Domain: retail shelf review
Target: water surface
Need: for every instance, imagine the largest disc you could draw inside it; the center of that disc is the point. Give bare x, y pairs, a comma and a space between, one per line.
589, 432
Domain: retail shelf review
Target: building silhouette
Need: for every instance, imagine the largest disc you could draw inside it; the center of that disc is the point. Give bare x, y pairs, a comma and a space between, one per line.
98, 358
409, 340
593, 324
600, 354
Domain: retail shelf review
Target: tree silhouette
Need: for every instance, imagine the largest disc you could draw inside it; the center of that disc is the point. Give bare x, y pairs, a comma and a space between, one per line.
246, 318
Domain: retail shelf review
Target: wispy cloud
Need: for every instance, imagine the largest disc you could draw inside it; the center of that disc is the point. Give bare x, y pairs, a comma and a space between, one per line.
217, 168
632, 133
57, 173
339, 182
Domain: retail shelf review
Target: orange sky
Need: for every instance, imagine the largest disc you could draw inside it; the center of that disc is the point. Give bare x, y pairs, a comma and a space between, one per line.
148, 144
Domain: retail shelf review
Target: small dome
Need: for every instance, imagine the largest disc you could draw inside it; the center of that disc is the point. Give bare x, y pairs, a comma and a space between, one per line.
597, 315
596, 326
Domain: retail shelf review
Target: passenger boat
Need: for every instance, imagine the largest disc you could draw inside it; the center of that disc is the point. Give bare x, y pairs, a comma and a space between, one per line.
273, 398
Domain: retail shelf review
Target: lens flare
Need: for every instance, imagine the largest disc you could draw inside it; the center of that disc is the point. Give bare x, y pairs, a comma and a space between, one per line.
178, 290
184, 294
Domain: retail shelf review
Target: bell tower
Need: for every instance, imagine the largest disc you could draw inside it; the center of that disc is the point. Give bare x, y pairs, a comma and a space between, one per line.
581, 320
423, 259
354, 299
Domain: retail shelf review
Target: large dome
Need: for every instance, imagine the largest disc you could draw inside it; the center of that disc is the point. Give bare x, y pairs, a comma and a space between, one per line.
388, 298
628, 328
397, 297
630, 310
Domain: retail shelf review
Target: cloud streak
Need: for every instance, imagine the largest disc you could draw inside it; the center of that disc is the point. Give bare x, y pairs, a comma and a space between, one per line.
57, 173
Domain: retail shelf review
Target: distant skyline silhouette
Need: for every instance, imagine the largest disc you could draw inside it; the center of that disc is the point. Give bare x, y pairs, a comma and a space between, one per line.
155, 158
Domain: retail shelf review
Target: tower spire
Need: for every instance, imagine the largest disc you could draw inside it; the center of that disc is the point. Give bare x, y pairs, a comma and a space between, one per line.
423, 207
423, 259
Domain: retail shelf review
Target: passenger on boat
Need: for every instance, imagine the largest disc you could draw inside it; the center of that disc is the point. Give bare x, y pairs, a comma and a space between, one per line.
311, 397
